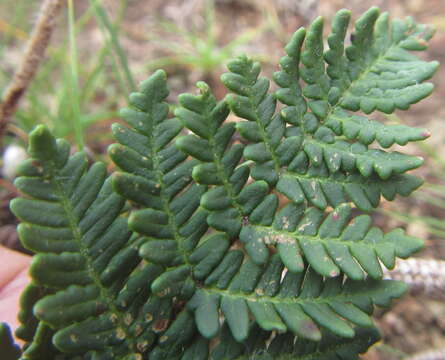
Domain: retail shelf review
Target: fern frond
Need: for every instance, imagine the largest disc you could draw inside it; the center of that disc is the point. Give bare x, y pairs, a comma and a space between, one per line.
175, 339
383, 75
366, 131
261, 345
231, 200
330, 244
85, 254
261, 226
264, 130
156, 176
380, 72
275, 146
299, 303
330, 348
296, 302
219, 278
318, 187
283, 347
29, 323
41, 347
207, 260
376, 72
273, 154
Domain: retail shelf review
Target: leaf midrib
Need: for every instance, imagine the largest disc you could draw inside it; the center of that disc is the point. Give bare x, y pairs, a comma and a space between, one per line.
83, 250
263, 132
346, 91
165, 200
333, 349
354, 82
297, 237
292, 300
228, 188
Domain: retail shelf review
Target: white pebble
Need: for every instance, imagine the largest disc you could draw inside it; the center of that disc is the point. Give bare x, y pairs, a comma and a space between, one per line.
12, 157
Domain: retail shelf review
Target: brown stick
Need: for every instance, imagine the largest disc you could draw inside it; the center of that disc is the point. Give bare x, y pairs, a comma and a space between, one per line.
424, 276
438, 354
34, 53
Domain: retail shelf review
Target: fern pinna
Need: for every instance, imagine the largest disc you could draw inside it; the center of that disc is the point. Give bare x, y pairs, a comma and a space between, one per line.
239, 239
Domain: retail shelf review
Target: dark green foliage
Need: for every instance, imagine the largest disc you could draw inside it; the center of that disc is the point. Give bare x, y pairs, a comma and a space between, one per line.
231, 200
8, 349
283, 347
171, 221
231, 247
86, 259
330, 244
298, 302
375, 73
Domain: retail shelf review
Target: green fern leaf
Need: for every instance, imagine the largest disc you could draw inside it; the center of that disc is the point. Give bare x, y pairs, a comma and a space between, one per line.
231, 200
28, 321
85, 255
264, 129
255, 216
190, 251
330, 244
319, 188
330, 348
271, 152
212, 264
375, 72
284, 346
156, 176
366, 131
298, 302
41, 347
170, 220
260, 345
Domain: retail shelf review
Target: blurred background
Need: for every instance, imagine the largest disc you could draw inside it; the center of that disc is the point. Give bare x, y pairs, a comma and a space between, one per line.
101, 49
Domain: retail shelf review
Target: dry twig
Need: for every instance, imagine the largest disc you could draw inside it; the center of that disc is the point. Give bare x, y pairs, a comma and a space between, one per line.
424, 276
34, 53
438, 354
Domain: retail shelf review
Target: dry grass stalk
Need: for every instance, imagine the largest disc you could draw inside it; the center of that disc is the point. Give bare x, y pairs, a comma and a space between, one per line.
34, 53
438, 354
424, 276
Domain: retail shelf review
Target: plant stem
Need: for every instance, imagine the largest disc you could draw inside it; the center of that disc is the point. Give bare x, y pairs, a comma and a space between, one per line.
74, 79
105, 22
32, 58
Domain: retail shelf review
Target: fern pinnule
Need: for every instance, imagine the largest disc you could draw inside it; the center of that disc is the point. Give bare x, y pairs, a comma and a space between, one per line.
330, 244
375, 72
260, 345
156, 176
231, 200
85, 254
250, 100
298, 302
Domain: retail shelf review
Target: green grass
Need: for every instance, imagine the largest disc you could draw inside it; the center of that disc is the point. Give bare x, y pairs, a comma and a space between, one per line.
199, 49
74, 79
110, 31
64, 93
76, 86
